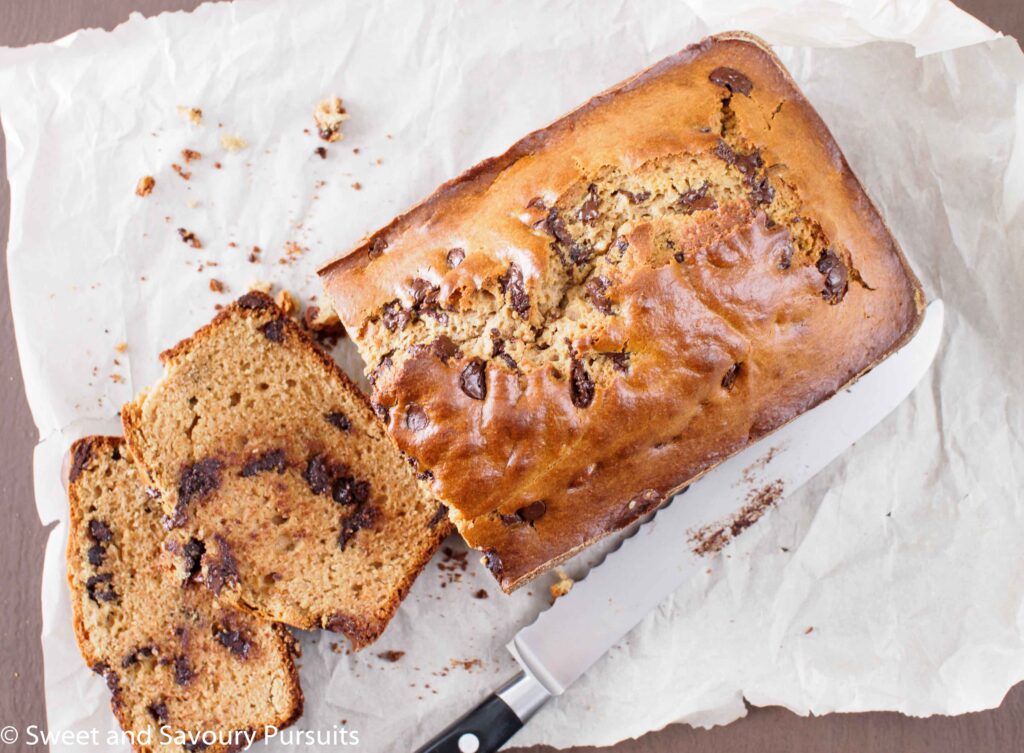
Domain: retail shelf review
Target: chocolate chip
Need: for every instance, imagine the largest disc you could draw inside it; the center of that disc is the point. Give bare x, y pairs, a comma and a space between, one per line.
473, 380
100, 587
732, 80
95, 555
183, 673
537, 202
100, 531
492, 561
221, 570
786, 258
424, 294
198, 480
455, 257
620, 361
696, 200
271, 460
761, 191
234, 641
343, 490
254, 301
416, 418
274, 331
192, 556
381, 411
377, 247
109, 676
321, 152
361, 492
365, 517
512, 283
580, 253
533, 511
81, 457
158, 710
837, 278
597, 288
445, 349
679, 256
440, 514
556, 226
338, 420
635, 198
481, 594
590, 210
395, 316
730, 376
581, 385
318, 475
132, 657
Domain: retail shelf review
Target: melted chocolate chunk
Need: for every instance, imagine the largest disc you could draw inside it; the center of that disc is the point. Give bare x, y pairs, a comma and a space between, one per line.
679, 256
198, 480
416, 418
82, 456
99, 531
423, 293
274, 330
579, 253
255, 301
234, 641
635, 198
455, 257
786, 258
95, 555
512, 283
271, 460
696, 200
730, 376
445, 349
620, 361
395, 316
440, 514
192, 556
536, 202
492, 561
837, 277
385, 364
473, 380
221, 570
533, 511
101, 588
132, 657
318, 475
556, 227
365, 517
581, 385
183, 673
338, 420
426, 475
158, 710
732, 79
381, 411
591, 207
761, 191
376, 248
597, 288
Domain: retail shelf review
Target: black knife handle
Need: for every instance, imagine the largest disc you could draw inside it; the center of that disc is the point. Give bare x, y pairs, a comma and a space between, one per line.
490, 725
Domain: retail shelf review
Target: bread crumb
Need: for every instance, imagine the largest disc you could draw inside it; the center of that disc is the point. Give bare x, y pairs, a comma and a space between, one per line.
192, 203
187, 236
185, 174
255, 254
216, 285
190, 155
261, 286
286, 302
217, 165
809, 630
562, 586
357, 185
391, 656
329, 115
121, 347
145, 185
292, 251
232, 142
117, 379
321, 152
481, 594
194, 114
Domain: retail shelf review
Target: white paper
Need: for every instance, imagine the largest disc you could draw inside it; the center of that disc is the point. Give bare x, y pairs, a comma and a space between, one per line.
904, 558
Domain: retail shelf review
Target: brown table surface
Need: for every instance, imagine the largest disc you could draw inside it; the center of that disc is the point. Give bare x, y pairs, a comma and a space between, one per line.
22, 538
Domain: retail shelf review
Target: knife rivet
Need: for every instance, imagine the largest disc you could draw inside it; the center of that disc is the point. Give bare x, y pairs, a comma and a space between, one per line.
469, 743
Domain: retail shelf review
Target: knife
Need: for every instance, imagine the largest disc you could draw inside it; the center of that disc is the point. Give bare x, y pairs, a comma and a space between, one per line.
680, 541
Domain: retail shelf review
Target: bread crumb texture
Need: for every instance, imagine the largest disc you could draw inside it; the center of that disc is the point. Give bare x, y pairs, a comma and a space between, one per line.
570, 332
273, 466
168, 652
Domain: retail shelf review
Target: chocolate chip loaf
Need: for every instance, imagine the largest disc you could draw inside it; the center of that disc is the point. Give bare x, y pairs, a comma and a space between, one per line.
184, 673
282, 491
568, 333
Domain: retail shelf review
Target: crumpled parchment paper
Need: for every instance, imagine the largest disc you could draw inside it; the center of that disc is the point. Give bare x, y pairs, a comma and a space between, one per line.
895, 580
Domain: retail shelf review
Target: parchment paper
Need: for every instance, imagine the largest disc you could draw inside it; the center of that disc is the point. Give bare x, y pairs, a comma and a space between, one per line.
894, 581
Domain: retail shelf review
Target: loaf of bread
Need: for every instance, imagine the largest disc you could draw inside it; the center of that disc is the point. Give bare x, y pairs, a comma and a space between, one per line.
568, 333
184, 673
282, 491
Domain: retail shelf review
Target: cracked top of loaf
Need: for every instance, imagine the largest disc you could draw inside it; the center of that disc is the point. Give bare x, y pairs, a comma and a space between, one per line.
568, 333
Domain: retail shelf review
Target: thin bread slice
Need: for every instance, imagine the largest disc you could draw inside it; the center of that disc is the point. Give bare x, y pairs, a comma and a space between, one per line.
184, 673
273, 466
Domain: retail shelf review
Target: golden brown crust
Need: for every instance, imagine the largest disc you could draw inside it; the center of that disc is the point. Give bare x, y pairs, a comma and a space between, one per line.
744, 288
87, 458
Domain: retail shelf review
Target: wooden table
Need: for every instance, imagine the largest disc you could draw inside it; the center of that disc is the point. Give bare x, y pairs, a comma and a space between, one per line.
22, 538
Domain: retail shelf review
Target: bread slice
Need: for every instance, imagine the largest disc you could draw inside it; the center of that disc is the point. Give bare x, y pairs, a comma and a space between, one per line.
279, 479
176, 663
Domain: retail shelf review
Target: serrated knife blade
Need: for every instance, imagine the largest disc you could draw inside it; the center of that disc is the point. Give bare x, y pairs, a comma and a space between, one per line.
566, 639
